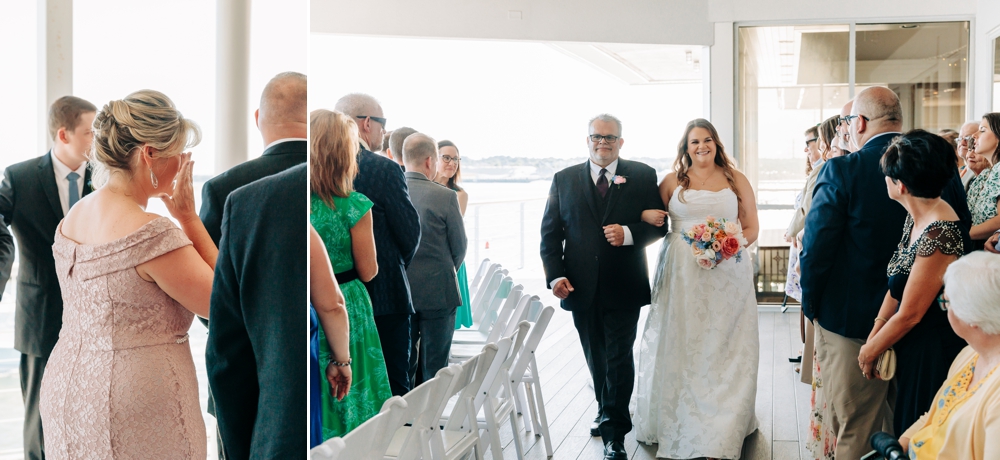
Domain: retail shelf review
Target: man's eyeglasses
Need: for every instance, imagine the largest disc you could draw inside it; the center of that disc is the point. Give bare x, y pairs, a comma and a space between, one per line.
943, 302
849, 118
378, 119
610, 138
450, 159
969, 140
810, 141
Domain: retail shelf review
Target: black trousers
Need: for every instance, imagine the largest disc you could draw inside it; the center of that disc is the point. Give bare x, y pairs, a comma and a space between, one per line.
394, 334
607, 336
431, 333
32, 368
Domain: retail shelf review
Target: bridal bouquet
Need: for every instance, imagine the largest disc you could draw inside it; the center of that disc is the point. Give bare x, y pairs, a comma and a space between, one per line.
714, 241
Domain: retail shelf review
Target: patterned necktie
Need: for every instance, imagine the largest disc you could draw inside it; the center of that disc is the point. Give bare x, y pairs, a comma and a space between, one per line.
74, 188
602, 183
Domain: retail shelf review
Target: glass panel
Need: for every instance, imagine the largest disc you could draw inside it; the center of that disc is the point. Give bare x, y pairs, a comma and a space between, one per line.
996, 75
790, 78
926, 64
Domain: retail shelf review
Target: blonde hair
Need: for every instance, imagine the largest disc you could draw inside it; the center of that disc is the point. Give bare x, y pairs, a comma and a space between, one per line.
145, 117
683, 161
333, 150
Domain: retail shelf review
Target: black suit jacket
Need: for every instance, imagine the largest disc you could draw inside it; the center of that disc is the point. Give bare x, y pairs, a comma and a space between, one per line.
851, 233
256, 352
573, 242
29, 202
397, 231
213, 194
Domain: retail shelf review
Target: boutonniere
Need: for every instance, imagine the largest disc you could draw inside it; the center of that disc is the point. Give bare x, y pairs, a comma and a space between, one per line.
619, 180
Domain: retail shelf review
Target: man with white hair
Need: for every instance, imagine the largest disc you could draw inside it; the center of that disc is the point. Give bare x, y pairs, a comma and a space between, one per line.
397, 233
964, 147
843, 138
851, 233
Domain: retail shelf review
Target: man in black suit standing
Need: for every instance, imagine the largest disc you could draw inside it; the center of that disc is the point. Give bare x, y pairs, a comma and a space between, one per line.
282, 120
851, 233
397, 233
594, 254
34, 197
257, 334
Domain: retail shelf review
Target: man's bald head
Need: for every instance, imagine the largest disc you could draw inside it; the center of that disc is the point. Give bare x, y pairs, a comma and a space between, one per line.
396, 142
882, 113
362, 105
282, 112
417, 148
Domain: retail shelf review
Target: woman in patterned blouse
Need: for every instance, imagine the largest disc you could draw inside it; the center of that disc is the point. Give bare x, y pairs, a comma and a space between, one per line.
917, 166
984, 191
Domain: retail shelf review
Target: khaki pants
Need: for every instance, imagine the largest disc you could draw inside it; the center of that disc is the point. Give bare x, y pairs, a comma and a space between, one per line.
856, 406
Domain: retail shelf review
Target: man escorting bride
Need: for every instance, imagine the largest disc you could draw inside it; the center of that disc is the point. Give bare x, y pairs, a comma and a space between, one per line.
699, 353
700, 348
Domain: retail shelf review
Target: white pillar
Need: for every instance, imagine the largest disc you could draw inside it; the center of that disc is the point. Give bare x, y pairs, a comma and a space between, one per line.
55, 61
232, 82
720, 86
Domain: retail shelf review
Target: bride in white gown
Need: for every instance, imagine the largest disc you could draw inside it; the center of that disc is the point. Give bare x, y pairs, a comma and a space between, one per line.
698, 356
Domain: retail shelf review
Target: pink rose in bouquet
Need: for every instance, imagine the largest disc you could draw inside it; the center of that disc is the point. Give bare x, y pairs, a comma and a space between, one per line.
732, 228
716, 246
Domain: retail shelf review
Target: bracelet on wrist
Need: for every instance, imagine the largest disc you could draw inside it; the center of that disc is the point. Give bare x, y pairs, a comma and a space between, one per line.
338, 364
879, 318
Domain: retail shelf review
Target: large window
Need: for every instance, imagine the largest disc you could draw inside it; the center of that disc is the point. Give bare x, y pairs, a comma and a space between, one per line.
996, 75
793, 77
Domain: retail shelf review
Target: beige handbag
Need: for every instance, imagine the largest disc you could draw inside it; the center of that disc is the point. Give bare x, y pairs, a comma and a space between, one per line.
886, 364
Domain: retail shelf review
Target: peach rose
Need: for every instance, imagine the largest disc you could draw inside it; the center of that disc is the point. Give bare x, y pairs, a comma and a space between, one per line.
706, 262
732, 228
706, 237
716, 246
730, 246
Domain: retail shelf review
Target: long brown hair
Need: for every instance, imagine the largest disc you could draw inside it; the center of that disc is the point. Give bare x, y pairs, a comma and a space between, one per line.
993, 119
683, 161
828, 131
333, 150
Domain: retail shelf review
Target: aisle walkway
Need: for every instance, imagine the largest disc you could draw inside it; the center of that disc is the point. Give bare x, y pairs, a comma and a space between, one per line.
782, 402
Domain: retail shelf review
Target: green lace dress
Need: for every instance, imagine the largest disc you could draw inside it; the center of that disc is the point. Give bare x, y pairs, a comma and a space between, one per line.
370, 385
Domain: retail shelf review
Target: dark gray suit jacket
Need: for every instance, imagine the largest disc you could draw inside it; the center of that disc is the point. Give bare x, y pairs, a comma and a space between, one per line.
432, 272
256, 351
29, 202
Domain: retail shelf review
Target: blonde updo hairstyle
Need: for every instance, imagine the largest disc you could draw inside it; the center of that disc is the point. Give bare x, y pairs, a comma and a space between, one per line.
145, 117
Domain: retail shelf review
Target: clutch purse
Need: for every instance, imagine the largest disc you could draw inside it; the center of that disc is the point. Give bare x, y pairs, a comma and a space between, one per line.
886, 364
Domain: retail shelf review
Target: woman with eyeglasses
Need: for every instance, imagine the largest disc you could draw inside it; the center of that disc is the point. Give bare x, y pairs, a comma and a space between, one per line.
962, 419
449, 172
918, 166
984, 190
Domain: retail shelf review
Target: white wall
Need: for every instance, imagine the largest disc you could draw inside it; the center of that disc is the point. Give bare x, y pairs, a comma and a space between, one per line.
987, 29
677, 22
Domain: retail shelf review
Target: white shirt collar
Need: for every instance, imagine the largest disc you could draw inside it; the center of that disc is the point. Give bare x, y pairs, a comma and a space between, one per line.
364, 144
281, 141
595, 170
62, 170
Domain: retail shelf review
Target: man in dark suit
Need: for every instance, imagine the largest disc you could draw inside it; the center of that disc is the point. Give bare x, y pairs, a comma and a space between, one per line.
257, 336
432, 272
282, 120
397, 233
851, 233
594, 254
34, 197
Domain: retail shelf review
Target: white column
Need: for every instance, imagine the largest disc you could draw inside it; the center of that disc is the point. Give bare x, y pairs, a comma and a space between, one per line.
55, 61
232, 82
722, 100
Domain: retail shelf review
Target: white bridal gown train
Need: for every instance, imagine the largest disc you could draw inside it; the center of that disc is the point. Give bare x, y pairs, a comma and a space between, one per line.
699, 351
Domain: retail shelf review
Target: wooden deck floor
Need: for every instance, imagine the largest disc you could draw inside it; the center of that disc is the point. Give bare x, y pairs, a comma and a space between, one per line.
782, 401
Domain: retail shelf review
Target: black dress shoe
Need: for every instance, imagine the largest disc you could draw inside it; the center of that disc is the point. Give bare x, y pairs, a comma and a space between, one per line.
595, 426
615, 450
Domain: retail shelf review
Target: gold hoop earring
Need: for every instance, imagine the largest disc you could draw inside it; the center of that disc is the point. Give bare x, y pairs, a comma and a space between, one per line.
152, 178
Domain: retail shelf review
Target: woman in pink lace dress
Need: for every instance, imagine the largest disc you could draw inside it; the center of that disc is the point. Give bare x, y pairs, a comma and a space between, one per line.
120, 382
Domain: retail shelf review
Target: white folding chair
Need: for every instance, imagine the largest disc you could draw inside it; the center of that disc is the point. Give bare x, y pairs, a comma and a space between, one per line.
422, 412
460, 435
491, 304
525, 371
480, 273
368, 440
499, 401
484, 333
481, 288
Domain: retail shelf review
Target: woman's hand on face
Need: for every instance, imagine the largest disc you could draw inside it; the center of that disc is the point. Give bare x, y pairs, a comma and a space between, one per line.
654, 217
180, 201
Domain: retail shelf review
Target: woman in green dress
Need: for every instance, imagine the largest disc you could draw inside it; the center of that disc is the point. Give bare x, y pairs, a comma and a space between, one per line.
343, 219
449, 173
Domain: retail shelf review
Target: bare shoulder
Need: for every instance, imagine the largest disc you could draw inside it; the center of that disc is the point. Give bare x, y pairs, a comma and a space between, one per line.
669, 181
741, 179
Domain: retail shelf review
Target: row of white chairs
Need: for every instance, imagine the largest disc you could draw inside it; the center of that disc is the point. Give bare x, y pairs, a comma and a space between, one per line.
493, 376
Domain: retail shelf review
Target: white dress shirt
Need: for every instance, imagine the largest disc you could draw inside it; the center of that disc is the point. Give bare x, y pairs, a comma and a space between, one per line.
62, 184
595, 174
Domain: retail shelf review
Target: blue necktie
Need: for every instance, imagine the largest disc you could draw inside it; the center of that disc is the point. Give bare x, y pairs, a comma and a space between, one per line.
74, 188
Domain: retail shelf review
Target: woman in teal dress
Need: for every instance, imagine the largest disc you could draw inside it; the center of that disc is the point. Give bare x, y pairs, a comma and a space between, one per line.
343, 219
449, 173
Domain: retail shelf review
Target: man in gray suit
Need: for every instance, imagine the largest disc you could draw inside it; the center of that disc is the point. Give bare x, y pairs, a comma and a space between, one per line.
431, 274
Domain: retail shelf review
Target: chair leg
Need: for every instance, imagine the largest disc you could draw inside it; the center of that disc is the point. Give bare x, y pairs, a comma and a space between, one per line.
517, 436
543, 419
493, 429
532, 409
522, 403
